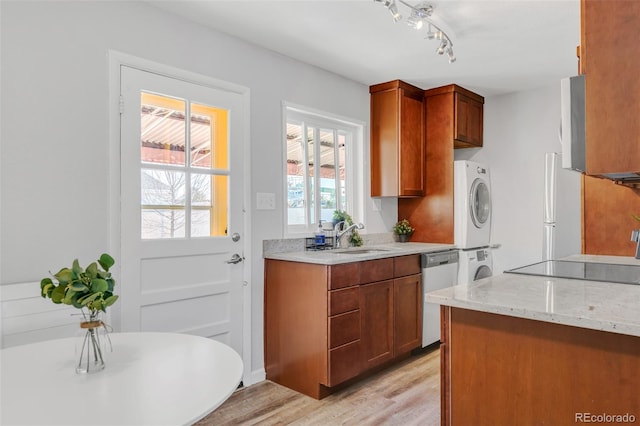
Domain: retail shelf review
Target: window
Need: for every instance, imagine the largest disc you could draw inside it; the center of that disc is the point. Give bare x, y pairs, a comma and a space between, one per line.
320, 171
184, 169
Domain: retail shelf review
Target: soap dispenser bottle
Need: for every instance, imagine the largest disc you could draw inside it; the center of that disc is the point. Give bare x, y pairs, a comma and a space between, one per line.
320, 236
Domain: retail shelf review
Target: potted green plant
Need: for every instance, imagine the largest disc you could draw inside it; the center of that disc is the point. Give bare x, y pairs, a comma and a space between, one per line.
91, 291
342, 215
403, 230
355, 239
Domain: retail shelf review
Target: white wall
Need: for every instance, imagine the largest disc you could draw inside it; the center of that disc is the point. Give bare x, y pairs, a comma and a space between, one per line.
519, 128
54, 133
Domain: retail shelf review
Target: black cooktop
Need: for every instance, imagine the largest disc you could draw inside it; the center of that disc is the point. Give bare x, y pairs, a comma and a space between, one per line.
608, 272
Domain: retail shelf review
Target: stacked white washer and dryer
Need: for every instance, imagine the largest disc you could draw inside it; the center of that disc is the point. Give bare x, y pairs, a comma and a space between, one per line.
472, 220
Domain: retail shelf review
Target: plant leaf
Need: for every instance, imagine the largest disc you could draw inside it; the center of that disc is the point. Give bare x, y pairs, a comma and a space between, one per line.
47, 289
58, 294
76, 269
98, 285
68, 296
92, 270
64, 275
106, 261
74, 301
78, 287
110, 300
45, 283
85, 300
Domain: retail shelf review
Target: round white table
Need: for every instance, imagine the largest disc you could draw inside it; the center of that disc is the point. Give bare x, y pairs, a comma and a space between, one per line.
149, 379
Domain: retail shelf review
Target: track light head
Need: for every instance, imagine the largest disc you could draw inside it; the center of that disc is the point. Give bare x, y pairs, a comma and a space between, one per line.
393, 10
414, 22
452, 57
442, 47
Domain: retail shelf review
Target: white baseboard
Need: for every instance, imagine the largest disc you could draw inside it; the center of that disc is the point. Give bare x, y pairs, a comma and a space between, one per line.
257, 376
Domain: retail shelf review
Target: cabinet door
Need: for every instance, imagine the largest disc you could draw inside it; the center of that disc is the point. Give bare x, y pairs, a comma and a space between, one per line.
407, 299
611, 59
412, 150
344, 363
376, 310
397, 140
468, 121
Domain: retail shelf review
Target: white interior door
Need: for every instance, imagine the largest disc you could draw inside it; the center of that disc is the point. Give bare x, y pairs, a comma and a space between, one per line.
181, 207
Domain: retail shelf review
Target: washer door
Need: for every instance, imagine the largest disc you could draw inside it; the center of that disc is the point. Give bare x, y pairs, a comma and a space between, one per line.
479, 203
482, 272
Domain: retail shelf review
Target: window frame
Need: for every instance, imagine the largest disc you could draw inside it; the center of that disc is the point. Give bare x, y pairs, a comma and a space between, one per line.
188, 169
353, 163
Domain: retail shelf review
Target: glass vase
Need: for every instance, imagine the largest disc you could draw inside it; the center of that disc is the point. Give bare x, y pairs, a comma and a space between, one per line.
92, 344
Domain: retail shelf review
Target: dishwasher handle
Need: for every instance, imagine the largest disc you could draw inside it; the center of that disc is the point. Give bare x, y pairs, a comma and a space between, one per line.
431, 260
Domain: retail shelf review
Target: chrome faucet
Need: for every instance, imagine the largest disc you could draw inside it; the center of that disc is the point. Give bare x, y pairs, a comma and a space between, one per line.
340, 232
635, 237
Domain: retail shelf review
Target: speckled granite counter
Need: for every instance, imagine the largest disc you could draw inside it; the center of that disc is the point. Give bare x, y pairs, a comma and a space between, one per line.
588, 304
356, 254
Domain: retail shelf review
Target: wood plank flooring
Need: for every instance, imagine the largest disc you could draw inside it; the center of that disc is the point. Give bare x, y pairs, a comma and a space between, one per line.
405, 394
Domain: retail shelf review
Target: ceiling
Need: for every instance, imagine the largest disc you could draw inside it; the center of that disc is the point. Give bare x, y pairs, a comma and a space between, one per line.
501, 46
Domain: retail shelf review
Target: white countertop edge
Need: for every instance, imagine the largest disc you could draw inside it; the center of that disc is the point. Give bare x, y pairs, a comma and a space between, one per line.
562, 319
330, 257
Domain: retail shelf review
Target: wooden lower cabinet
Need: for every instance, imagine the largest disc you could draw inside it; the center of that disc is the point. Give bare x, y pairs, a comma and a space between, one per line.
501, 370
407, 309
327, 324
376, 306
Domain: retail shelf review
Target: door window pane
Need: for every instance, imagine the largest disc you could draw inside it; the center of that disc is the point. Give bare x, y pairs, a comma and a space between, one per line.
163, 223
184, 174
209, 205
209, 137
163, 188
162, 129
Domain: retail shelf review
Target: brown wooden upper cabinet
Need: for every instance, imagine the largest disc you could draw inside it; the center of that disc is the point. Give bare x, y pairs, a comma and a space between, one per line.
610, 60
463, 114
397, 140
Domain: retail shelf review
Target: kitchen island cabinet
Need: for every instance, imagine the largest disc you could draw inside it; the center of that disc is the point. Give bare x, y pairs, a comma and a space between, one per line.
501, 370
522, 349
327, 324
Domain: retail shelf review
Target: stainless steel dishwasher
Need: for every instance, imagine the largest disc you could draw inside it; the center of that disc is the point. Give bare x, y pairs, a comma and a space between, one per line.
439, 270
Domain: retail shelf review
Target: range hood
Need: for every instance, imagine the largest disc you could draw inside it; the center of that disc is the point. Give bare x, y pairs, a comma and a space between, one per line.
573, 125
573, 132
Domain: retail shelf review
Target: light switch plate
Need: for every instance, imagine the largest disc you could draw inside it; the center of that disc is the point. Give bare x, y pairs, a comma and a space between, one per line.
377, 204
265, 201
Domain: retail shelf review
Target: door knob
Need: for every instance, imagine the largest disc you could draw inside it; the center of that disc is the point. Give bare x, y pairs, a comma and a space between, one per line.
235, 258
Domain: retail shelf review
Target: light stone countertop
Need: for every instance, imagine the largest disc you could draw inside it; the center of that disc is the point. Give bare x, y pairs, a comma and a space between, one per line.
356, 254
595, 305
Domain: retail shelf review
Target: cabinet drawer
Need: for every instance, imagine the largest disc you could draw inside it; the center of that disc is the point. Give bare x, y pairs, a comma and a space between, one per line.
345, 363
344, 328
344, 300
406, 265
344, 275
376, 270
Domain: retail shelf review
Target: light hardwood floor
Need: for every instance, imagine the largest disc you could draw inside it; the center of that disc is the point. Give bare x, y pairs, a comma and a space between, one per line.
405, 394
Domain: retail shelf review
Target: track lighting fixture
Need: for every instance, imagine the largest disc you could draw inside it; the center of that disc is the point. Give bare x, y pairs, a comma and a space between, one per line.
419, 15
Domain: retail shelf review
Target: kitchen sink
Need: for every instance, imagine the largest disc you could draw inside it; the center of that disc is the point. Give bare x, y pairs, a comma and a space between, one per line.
359, 251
